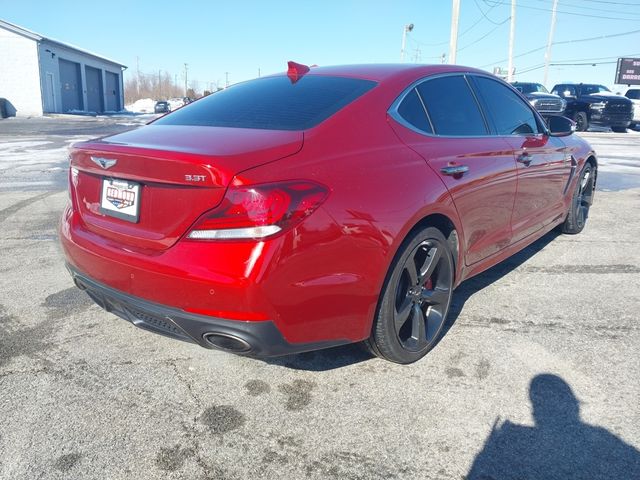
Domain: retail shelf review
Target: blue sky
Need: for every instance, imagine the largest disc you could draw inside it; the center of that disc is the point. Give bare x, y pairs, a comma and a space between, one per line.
244, 37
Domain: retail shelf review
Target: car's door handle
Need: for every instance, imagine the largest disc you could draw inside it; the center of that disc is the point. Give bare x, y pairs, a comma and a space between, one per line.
525, 158
454, 170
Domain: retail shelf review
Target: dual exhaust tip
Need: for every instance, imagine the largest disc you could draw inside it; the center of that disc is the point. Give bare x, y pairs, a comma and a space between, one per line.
227, 342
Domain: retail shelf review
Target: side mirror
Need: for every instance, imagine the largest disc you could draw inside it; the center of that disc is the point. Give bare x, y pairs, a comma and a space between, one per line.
561, 126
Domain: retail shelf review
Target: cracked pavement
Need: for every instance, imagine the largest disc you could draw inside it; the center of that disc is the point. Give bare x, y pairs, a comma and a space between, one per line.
538, 370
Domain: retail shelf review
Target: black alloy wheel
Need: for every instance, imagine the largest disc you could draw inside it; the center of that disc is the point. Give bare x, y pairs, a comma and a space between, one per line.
581, 201
582, 122
416, 299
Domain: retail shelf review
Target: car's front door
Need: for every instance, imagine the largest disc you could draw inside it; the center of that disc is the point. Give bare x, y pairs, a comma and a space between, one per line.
543, 162
447, 128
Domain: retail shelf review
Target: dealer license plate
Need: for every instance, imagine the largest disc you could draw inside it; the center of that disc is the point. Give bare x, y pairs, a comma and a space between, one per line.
120, 199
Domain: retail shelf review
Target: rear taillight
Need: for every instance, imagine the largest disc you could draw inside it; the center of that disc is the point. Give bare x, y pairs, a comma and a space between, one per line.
259, 211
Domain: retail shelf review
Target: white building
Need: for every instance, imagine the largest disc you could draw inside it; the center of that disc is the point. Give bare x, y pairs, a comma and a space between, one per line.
41, 75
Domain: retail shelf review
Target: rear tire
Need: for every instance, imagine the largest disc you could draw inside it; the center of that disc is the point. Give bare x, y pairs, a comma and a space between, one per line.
582, 122
415, 299
581, 201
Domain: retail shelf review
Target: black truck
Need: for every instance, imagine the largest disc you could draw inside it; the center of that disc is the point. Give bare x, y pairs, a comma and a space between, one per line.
546, 103
590, 104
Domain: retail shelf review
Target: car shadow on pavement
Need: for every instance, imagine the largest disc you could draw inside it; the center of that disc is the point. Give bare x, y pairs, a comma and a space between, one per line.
338, 357
469, 287
558, 446
323, 360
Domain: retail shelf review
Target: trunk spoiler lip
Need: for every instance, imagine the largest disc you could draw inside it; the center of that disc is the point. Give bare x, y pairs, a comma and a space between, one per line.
219, 169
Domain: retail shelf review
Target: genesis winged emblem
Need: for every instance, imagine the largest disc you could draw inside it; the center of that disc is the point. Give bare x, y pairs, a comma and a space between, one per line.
104, 162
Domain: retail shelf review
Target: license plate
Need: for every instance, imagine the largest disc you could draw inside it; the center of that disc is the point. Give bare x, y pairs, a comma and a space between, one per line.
120, 199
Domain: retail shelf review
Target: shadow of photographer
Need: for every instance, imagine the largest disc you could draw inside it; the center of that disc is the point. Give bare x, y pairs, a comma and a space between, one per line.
558, 446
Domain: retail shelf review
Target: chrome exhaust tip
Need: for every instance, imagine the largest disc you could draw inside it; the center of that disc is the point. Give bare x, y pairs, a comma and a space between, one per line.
227, 342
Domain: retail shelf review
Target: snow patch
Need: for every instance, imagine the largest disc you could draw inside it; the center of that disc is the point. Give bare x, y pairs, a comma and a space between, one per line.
144, 105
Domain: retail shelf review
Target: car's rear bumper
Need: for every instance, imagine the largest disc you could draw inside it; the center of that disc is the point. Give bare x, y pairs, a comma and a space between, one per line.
252, 338
302, 295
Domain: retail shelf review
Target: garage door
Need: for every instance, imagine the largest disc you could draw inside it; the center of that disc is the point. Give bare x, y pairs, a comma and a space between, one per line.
70, 83
113, 92
95, 98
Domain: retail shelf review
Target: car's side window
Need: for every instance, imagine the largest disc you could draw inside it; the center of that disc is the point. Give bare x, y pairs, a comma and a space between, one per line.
509, 113
452, 107
412, 111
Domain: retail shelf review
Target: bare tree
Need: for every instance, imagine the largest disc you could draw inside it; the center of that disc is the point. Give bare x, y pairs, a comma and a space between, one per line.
158, 86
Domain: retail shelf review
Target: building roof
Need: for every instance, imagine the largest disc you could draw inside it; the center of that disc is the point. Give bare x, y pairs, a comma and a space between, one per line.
39, 38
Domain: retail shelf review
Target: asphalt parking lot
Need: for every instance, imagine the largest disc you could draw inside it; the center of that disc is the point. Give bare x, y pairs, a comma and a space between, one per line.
537, 376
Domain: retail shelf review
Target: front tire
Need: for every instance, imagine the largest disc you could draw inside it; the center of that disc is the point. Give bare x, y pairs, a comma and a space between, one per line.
415, 299
582, 121
581, 201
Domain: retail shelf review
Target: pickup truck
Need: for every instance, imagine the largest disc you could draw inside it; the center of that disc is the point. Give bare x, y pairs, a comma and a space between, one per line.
633, 94
590, 104
540, 98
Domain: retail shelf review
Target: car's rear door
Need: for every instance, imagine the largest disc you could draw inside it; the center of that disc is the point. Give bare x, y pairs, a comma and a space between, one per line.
447, 128
543, 162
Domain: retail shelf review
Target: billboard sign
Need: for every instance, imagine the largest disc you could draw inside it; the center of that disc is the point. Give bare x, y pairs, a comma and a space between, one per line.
628, 72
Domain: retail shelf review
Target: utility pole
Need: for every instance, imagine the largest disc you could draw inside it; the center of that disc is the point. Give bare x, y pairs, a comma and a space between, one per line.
159, 86
547, 53
512, 35
137, 75
406, 29
186, 69
258, 72
417, 55
226, 82
453, 42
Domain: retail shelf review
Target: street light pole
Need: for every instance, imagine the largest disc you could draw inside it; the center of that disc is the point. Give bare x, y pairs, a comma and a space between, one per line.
406, 29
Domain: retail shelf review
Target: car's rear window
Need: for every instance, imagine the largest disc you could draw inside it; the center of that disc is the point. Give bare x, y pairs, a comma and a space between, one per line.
272, 103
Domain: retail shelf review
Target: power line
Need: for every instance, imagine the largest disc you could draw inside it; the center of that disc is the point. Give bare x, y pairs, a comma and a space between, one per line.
579, 62
568, 13
485, 35
484, 15
582, 7
531, 69
410, 37
613, 3
601, 37
631, 55
467, 30
582, 64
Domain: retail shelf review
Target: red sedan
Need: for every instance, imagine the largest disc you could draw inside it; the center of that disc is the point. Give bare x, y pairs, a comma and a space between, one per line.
320, 207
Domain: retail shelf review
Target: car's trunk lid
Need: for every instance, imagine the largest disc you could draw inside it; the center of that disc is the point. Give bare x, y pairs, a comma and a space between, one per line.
181, 172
